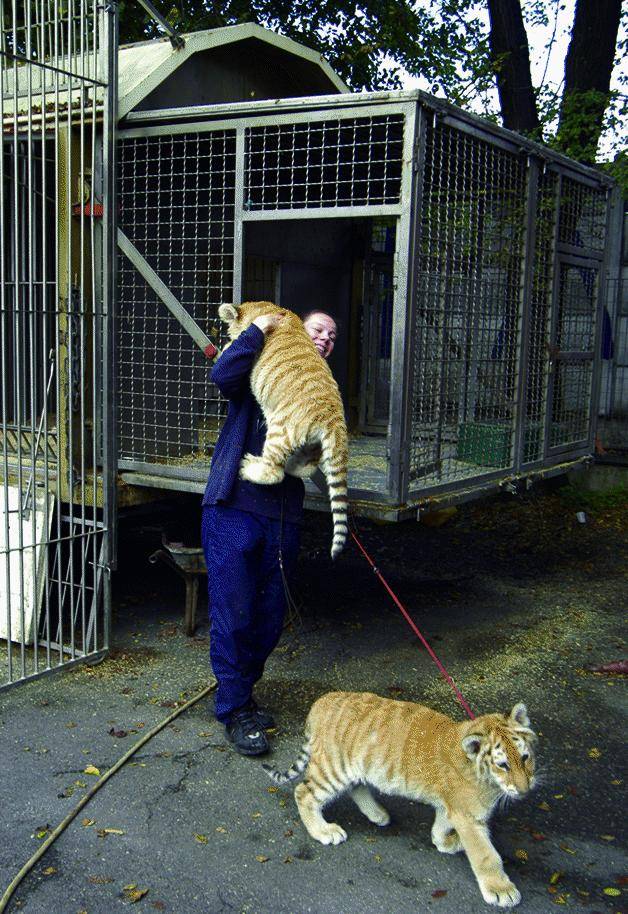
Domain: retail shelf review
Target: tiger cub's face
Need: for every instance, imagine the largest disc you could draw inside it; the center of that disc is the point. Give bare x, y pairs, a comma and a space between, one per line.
504, 753
239, 317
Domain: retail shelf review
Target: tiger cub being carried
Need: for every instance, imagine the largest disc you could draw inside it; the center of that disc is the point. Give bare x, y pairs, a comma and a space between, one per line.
461, 769
301, 403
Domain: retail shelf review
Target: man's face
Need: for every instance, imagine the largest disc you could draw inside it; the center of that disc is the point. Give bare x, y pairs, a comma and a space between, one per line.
321, 329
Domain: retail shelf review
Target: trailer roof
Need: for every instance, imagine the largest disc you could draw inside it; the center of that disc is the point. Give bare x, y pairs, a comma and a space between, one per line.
144, 66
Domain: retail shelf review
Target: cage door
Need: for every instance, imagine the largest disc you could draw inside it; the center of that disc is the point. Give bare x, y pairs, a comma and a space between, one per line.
378, 311
571, 352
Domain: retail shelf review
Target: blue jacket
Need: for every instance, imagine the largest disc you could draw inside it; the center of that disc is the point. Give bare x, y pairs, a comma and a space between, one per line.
244, 430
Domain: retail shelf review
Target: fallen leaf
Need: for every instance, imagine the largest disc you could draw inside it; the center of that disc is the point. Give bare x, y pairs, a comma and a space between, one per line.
439, 893
594, 752
202, 839
272, 789
223, 831
288, 834
612, 891
521, 854
537, 836
133, 894
544, 806
256, 815
49, 871
287, 859
567, 849
616, 781
91, 769
559, 796
80, 784
560, 899
607, 837
261, 858
88, 822
103, 832
378, 858
555, 877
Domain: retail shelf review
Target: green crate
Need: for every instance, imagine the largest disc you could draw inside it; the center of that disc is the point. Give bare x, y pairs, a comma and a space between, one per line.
488, 444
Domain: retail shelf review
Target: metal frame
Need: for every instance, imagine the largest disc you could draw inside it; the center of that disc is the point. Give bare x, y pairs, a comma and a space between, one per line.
420, 112
57, 107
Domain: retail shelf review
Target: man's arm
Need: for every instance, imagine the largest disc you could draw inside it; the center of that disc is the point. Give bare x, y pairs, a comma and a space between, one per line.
232, 370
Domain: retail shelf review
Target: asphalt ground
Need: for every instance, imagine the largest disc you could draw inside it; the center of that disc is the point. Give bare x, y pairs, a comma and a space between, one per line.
518, 599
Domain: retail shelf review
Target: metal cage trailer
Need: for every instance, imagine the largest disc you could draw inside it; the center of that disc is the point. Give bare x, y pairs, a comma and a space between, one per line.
56, 480
467, 267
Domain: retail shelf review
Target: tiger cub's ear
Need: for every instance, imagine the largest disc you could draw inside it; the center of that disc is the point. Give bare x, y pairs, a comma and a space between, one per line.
472, 745
519, 715
228, 313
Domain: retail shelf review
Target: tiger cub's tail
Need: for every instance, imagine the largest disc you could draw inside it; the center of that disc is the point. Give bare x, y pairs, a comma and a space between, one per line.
295, 771
333, 463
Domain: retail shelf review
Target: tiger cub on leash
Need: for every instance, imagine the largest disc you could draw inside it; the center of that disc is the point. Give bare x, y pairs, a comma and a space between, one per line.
355, 739
301, 403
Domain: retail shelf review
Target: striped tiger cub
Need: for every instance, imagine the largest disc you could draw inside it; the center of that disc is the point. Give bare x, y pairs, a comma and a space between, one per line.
302, 407
355, 739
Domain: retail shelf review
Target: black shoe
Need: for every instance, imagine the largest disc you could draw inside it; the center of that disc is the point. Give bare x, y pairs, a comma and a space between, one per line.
246, 733
264, 717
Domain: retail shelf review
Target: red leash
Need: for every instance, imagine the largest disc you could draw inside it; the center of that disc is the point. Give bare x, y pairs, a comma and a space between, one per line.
416, 631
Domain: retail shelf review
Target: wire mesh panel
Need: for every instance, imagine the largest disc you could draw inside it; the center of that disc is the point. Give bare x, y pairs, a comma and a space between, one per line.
324, 163
582, 222
177, 206
467, 307
55, 105
572, 350
538, 343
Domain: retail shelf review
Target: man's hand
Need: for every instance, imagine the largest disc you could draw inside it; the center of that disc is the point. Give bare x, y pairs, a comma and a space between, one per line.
268, 322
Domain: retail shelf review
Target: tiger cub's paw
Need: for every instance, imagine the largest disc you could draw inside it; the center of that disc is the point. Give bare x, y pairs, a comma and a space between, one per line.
500, 891
254, 469
332, 833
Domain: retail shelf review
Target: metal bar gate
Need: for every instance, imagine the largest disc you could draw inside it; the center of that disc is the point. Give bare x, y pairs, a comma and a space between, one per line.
56, 491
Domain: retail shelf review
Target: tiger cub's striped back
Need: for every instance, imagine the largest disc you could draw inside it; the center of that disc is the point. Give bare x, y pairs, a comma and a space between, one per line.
302, 407
355, 739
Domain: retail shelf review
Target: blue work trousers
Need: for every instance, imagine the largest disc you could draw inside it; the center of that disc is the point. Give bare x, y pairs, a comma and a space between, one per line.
247, 599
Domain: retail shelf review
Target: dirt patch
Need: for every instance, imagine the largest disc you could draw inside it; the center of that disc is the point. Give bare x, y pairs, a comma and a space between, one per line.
120, 662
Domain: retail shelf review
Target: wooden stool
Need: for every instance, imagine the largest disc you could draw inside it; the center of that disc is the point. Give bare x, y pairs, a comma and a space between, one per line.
189, 563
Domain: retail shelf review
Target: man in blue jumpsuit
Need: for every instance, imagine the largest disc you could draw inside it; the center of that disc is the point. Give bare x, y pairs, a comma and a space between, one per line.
244, 527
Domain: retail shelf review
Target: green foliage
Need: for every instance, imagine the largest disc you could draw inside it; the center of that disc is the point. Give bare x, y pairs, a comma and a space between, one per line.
618, 170
580, 499
579, 111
